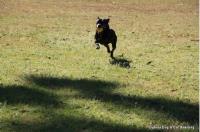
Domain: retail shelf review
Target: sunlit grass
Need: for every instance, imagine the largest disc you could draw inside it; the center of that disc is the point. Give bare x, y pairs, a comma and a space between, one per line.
53, 79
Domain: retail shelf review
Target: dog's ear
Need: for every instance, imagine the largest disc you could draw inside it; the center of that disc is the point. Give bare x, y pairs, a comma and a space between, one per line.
107, 20
98, 18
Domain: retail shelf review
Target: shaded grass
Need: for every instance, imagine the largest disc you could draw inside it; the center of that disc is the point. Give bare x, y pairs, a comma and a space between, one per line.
102, 90
89, 89
14, 94
63, 123
56, 82
121, 62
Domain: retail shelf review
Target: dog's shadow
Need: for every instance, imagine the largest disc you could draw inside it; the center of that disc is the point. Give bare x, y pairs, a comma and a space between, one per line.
121, 62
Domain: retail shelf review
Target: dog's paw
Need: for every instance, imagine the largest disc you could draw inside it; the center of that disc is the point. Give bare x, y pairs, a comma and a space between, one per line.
97, 46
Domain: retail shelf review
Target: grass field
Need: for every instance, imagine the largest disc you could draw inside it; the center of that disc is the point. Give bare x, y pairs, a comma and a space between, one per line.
53, 79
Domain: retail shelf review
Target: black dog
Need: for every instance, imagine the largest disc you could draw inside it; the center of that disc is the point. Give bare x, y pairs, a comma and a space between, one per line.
104, 35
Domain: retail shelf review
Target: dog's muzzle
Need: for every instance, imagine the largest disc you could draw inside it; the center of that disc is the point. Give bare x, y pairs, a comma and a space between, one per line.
98, 25
99, 29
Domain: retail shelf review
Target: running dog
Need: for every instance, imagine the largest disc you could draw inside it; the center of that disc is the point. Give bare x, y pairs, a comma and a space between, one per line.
104, 35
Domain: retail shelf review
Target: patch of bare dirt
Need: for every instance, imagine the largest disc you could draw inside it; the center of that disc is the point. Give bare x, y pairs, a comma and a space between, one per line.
59, 6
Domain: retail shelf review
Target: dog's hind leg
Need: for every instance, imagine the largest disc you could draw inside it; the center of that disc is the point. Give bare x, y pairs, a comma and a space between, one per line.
113, 48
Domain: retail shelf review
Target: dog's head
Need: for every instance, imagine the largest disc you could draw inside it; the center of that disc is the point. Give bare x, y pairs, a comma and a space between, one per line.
102, 24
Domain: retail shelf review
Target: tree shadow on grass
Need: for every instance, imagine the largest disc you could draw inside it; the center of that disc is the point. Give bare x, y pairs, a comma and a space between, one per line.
121, 62
81, 84
63, 123
15, 94
175, 109
101, 90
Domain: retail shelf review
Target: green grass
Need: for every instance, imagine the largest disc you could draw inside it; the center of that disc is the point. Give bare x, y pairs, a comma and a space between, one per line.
53, 79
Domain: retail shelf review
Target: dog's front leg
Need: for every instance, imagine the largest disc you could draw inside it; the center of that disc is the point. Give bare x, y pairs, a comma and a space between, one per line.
97, 45
97, 41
